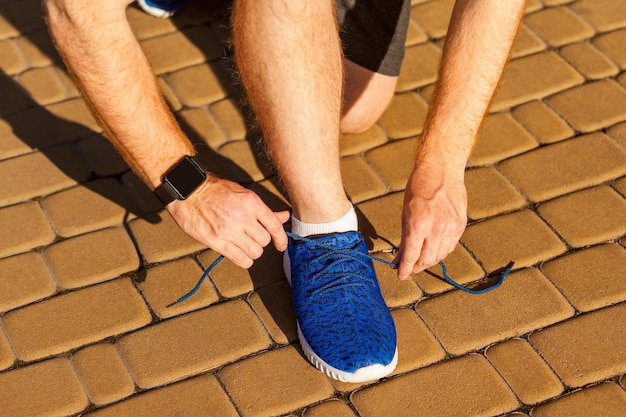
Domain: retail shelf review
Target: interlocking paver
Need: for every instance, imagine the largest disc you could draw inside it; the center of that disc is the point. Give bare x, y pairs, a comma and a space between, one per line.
274, 307
535, 76
526, 301
163, 240
201, 127
66, 209
170, 96
75, 319
331, 408
11, 145
274, 383
350, 144
585, 278
199, 84
103, 374
7, 30
419, 67
43, 85
25, 15
76, 111
396, 293
566, 166
587, 348
38, 49
606, 400
612, 44
542, 122
48, 388
166, 283
101, 157
520, 236
248, 162
433, 17
199, 396
589, 61
405, 116
605, 15
190, 344
360, 181
91, 258
618, 132
587, 217
527, 374
415, 34
476, 387
592, 106
382, 225
22, 228
417, 347
230, 117
501, 137
23, 279
489, 193
142, 196
145, 26
7, 357
394, 162
559, 26
533, 6
13, 99
527, 43
13, 61
459, 264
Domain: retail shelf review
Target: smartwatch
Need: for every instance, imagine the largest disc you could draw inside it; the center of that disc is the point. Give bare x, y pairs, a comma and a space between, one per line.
181, 180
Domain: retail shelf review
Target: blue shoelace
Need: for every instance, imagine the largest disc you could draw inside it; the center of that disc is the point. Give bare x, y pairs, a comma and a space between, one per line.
348, 253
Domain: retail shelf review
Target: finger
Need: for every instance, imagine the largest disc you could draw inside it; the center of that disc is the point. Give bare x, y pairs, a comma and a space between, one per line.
258, 233
406, 260
273, 223
235, 254
428, 256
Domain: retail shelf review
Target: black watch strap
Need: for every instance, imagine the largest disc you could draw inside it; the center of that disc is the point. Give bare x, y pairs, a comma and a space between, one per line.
180, 180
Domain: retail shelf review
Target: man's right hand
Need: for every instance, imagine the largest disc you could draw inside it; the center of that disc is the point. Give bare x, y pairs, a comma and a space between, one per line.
231, 220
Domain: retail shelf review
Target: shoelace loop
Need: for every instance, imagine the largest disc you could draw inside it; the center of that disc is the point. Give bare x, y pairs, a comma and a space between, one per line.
359, 257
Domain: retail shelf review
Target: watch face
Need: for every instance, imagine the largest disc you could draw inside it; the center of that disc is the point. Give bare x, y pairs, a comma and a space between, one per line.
185, 177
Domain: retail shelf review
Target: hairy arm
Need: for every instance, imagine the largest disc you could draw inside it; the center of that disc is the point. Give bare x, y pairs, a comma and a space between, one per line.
117, 82
477, 47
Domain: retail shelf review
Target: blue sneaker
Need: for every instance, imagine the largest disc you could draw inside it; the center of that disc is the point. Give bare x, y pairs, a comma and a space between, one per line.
344, 326
161, 8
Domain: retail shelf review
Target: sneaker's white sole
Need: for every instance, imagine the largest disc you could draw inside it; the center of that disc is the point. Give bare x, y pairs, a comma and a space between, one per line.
154, 11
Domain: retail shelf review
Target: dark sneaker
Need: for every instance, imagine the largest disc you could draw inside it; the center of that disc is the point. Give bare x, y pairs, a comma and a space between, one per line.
344, 326
161, 8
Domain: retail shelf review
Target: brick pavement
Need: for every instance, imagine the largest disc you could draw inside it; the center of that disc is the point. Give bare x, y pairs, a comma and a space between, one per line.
89, 261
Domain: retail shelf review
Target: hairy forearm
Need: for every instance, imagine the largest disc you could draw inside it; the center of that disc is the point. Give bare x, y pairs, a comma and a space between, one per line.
477, 47
118, 84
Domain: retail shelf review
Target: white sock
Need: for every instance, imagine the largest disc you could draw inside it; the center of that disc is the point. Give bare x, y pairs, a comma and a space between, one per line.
347, 223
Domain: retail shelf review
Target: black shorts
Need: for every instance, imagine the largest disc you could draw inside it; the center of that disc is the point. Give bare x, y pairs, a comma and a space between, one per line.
373, 32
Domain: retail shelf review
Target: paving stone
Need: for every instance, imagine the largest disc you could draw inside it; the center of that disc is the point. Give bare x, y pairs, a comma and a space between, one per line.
394, 162
585, 349
274, 383
405, 116
533, 6
49, 387
620, 185
385, 213
587, 217
247, 163
38, 49
618, 133
527, 374
230, 117
143, 198
7, 357
419, 67
75, 319
182, 49
592, 106
417, 347
533, 77
622, 79
559, 26
604, 15
501, 137
25, 15
22, 228
433, 17
101, 157
395, 292
415, 34
169, 94
612, 45
474, 385
270, 191
91, 258
163, 240
13, 61
606, 400
331, 408
359, 179
489, 193
7, 30
13, 99
200, 84
11, 144
460, 266
190, 344
623, 381
91, 206
589, 61
274, 307
23, 279
542, 122
585, 278
103, 374
201, 127
526, 301
527, 43
43, 85
75, 111
350, 144
194, 397
565, 166
521, 237
145, 26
